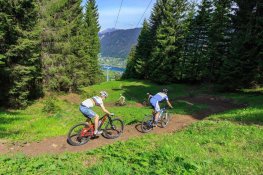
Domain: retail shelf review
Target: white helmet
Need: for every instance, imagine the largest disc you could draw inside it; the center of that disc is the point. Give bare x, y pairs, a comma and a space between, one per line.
104, 94
165, 91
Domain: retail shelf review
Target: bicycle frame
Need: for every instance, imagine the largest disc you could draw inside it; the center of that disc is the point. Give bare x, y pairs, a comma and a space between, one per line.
85, 131
103, 119
161, 113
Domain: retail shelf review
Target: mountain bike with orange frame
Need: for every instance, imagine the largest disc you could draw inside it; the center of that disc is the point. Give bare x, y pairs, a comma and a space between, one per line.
81, 133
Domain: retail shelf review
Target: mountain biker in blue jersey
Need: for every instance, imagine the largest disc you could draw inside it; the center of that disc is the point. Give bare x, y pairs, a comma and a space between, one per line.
154, 100
86, 105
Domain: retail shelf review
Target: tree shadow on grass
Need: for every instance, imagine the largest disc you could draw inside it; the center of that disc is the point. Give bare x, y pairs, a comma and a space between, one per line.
252, 111
138, 93
4, 133
135, 93
214, 105
202, 106
133, 122
247, 116
4, 111
8, 118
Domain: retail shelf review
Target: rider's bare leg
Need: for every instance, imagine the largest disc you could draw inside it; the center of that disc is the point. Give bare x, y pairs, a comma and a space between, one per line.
156, 116
96, 121
88, 122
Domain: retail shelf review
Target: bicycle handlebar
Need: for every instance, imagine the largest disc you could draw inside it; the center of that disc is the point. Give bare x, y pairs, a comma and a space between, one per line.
111, 114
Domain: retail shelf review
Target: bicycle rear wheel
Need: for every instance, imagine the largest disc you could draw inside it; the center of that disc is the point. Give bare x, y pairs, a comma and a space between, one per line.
147, 124
80, 134
113, 129
165, 118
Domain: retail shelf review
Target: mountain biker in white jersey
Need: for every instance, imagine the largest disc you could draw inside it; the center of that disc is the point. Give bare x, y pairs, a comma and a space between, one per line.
86, 105
154, 100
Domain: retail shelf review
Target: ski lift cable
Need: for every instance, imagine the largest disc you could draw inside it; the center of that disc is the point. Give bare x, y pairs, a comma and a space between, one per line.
144, 13
118, 14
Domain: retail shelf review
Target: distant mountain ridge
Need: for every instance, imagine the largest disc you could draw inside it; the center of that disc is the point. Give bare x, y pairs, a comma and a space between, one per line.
118, 42
107, 31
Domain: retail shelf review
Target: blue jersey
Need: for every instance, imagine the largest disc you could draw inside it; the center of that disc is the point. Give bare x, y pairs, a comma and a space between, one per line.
160, 97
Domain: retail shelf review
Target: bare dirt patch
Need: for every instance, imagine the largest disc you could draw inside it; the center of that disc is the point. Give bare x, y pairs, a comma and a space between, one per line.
215, 105
71, 98
139, 105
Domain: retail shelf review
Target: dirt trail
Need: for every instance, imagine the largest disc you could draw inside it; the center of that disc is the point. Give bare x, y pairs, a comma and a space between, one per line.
59, 144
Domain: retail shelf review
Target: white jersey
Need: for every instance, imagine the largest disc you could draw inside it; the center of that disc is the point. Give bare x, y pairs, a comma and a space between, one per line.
90, 102
160, 97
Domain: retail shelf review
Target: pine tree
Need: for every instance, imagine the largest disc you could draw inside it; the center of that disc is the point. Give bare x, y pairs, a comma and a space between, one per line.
143, 51
196, 44
92, 28
167, 53
188, 45
258, 30
57, 21
155, 22
8, 37
242, 68
130, 71
20, 54
70, 45
219, 38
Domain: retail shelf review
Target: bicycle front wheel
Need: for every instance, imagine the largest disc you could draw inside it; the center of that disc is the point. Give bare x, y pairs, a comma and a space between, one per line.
147, 124
113, 129
80, 134
165, 118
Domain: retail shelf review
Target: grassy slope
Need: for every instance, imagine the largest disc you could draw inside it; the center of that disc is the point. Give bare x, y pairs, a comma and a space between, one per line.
252, 114
34, 124
208, 147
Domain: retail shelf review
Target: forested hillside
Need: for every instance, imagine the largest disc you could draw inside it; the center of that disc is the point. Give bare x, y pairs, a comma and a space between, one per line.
218, 41
49, 45
118, 43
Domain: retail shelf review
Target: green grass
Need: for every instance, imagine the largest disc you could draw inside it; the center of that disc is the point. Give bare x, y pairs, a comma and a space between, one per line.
206, 147
33, 124
252, 113
134, 90
212, 146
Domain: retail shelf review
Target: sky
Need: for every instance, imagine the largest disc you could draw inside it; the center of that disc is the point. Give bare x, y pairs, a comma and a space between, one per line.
131, 13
